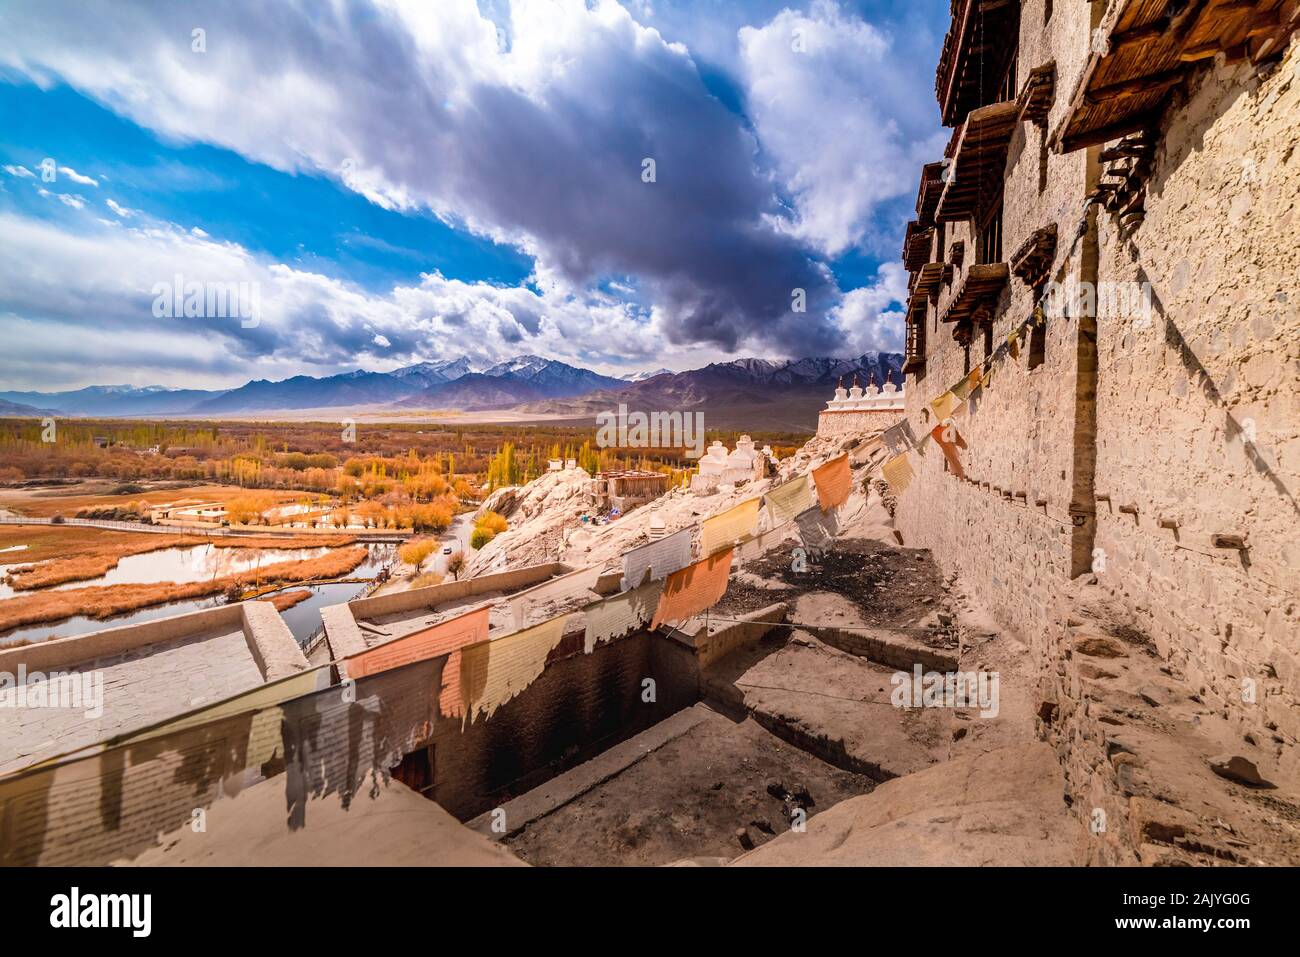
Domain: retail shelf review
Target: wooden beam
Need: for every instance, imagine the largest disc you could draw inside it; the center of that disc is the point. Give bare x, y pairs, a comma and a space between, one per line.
1138, 84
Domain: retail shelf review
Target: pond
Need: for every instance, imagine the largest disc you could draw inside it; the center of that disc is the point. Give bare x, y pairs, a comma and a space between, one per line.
180, 565
303, 619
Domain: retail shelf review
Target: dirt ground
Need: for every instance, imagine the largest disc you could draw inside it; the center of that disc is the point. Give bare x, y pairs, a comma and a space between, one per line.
883, 584
687, 800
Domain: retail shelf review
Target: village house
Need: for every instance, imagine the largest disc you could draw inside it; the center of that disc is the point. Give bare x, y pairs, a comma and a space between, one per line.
625, 489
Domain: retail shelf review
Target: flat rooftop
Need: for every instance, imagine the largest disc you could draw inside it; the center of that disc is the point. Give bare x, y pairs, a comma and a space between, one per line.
545, 590
122, 679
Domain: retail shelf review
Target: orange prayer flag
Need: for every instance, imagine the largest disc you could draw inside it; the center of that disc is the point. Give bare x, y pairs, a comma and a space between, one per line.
834, 480
446, 637
689, 591
949, 439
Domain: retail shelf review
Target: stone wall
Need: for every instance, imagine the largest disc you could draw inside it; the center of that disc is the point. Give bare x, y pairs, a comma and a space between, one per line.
1199, 402
579, 706
1020, 444
853, 421
1186, 420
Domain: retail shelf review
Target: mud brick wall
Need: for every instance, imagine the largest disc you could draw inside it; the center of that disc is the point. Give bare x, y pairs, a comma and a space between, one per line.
580, 705
1199, 407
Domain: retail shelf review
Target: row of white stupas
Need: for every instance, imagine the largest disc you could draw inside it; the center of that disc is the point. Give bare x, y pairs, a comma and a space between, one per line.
743, 464
873, 399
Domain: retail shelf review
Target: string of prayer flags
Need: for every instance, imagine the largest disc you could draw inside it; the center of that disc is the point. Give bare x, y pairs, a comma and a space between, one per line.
817, 529
725, 529
660, 558
492, 672
988, 378
786, 501
615, 616
447, 637
691, 590
899, 437
944, 405
949, 439
898, 473
341, 739
834, 481
1013, 343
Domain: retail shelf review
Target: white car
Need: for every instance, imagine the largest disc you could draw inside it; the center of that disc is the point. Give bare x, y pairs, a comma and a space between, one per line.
446, 549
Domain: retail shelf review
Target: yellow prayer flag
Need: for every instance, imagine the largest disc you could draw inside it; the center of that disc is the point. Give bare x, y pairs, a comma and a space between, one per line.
898, 473
944, 405
786, 501
494, 671
1013, 343
724, 530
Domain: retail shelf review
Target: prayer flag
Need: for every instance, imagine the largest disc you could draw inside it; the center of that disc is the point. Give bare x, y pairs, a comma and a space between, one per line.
724, 530
834, 481
689, 591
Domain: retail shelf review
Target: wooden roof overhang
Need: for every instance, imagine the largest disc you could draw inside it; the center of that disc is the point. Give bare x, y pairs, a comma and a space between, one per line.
1150, 47
914, 357
978, 294
978, 161
930, 277
916, 245
1032, 262
977, 49
927, 197
1038, 93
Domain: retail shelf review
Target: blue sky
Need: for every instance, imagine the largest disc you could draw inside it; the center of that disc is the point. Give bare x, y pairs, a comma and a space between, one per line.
404, 181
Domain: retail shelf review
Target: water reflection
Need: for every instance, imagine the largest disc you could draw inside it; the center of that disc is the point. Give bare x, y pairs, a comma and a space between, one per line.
303, 619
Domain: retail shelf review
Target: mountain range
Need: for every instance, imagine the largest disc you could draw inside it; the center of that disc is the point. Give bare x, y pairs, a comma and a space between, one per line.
783, 393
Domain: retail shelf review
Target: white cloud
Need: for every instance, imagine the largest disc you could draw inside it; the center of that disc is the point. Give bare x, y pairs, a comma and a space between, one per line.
871, 317
840, 110
64, 289
118, 209
67, 199
537, 143
76, 177
19, 171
